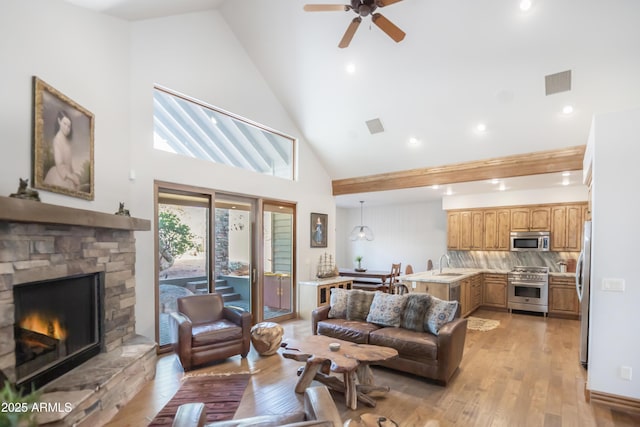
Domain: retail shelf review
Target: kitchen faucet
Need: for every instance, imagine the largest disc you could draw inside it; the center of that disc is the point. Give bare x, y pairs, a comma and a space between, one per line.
440, 262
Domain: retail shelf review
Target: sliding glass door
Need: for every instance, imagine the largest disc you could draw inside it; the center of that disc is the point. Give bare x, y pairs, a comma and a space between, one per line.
241, 247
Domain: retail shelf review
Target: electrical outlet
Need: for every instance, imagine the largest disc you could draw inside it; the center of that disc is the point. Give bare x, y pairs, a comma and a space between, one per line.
625, 372
613, 285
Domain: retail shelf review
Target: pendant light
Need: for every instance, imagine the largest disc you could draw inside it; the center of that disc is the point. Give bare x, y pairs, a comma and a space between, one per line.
361, 232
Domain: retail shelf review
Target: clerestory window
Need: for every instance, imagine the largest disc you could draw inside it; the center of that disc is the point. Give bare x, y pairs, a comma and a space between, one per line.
191, 128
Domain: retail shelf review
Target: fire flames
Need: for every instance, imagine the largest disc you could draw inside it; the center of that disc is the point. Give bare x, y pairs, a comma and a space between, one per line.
43, 325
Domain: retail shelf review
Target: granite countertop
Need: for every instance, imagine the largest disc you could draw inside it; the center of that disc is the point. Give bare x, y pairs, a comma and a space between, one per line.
558, 274
449, 275
452, 275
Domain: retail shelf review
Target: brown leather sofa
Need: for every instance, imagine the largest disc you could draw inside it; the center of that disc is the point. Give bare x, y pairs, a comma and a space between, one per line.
319, 411
204, 330
435, 357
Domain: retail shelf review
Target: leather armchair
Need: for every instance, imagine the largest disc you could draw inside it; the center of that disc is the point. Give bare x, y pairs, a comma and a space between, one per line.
204, 330
319, 411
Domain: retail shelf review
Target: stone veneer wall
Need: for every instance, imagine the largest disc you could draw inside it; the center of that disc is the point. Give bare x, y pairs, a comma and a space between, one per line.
222, 241
33, 252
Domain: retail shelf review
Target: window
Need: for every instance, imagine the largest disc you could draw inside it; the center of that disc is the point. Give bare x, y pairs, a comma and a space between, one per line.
191, 128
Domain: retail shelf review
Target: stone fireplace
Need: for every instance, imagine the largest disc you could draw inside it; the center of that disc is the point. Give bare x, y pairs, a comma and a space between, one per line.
51, 246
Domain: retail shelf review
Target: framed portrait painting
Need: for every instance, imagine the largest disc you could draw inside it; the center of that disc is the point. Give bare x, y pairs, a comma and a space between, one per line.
62, 143
318, 230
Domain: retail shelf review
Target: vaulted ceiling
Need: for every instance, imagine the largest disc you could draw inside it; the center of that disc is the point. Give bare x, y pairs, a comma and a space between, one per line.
462, 63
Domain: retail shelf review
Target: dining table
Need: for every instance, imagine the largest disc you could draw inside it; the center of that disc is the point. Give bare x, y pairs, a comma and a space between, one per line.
371, 274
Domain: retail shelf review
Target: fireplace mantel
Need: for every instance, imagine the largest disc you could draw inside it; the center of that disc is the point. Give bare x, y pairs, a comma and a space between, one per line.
21, 210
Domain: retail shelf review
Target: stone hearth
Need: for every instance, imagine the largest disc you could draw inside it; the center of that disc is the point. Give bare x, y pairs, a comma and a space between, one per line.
39, 241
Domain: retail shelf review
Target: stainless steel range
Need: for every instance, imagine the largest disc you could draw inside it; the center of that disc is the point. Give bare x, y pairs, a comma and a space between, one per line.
529, 289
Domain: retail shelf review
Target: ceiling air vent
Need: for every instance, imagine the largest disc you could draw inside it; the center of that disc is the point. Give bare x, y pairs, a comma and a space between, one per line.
558, 82
375, 126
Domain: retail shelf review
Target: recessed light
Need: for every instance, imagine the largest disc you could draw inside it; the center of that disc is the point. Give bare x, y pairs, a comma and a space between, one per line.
567, 109
525, 5
502, 187
449, 191
435, 186
413, 140
481, 127
495, 181
566, 181
566, 173
351, 68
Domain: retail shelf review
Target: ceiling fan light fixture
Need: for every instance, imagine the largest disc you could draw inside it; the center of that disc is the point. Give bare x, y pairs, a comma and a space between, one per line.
361, 232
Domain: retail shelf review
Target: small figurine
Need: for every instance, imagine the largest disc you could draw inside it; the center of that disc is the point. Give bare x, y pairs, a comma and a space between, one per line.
122, 211
24, 192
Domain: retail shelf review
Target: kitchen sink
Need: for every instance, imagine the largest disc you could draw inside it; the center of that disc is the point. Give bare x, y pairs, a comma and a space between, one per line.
449, 274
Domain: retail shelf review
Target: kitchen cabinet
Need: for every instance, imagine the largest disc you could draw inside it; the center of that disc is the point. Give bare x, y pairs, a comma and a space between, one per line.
470, 294
471, 230
494, 290
563, 299
465, 297
497, 226
476, 292
438, 290
318, 293
531, 218
540, 219
453, 230
566, 227
277, 290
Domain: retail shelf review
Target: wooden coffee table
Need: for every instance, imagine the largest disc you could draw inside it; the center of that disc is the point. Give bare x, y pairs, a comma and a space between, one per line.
352, 360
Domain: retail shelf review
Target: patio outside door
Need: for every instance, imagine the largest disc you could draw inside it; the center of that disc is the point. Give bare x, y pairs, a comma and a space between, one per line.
278, 239
235, 272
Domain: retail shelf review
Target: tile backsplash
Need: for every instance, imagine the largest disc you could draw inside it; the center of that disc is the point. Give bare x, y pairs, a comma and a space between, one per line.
504, 260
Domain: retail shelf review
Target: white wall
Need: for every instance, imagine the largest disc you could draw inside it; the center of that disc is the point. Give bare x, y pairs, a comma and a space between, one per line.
614, 316
109, 66
86, 57
408, 233
516, 198
197, 55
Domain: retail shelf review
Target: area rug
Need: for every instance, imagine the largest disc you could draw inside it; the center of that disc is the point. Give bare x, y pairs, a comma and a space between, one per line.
479, 324
221, 395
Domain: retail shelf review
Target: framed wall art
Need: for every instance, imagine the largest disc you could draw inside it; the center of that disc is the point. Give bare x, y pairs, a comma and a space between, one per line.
318, 230
62, 143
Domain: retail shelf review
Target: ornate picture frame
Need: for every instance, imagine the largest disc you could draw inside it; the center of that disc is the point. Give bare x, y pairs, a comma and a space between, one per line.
318, 230
62, 143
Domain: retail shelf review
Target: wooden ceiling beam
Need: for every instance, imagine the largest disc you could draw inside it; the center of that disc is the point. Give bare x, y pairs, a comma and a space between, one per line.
565, 159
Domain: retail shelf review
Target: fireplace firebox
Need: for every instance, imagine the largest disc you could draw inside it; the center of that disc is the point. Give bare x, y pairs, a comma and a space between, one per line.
58, 326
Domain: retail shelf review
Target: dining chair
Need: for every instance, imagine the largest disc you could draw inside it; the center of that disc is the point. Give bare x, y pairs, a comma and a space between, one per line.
429, 265
408, 269
393, 277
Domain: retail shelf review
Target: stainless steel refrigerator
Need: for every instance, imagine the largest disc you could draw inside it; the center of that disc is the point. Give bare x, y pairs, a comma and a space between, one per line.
583, 282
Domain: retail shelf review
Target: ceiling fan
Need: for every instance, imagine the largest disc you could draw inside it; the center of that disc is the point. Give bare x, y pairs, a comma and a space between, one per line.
361, 8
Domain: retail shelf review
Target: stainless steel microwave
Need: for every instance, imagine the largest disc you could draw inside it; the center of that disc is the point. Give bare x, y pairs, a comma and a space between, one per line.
537, 241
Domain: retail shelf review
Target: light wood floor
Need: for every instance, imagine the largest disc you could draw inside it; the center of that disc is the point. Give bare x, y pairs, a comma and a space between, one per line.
524, 373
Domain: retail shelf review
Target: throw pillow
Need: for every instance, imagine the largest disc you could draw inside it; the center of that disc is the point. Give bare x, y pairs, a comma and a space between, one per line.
438, 314
358, 303
386, 309
414, 312
338, 302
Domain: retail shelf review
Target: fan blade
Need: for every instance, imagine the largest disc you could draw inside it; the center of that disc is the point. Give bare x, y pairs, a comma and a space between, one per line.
388, 27
383, 3
351, 30
326, 8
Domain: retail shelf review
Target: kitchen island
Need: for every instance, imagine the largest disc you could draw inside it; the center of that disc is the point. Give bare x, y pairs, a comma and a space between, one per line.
465, 285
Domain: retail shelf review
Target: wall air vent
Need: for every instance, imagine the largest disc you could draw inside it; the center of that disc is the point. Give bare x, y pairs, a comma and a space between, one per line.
375, 126
558, 82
